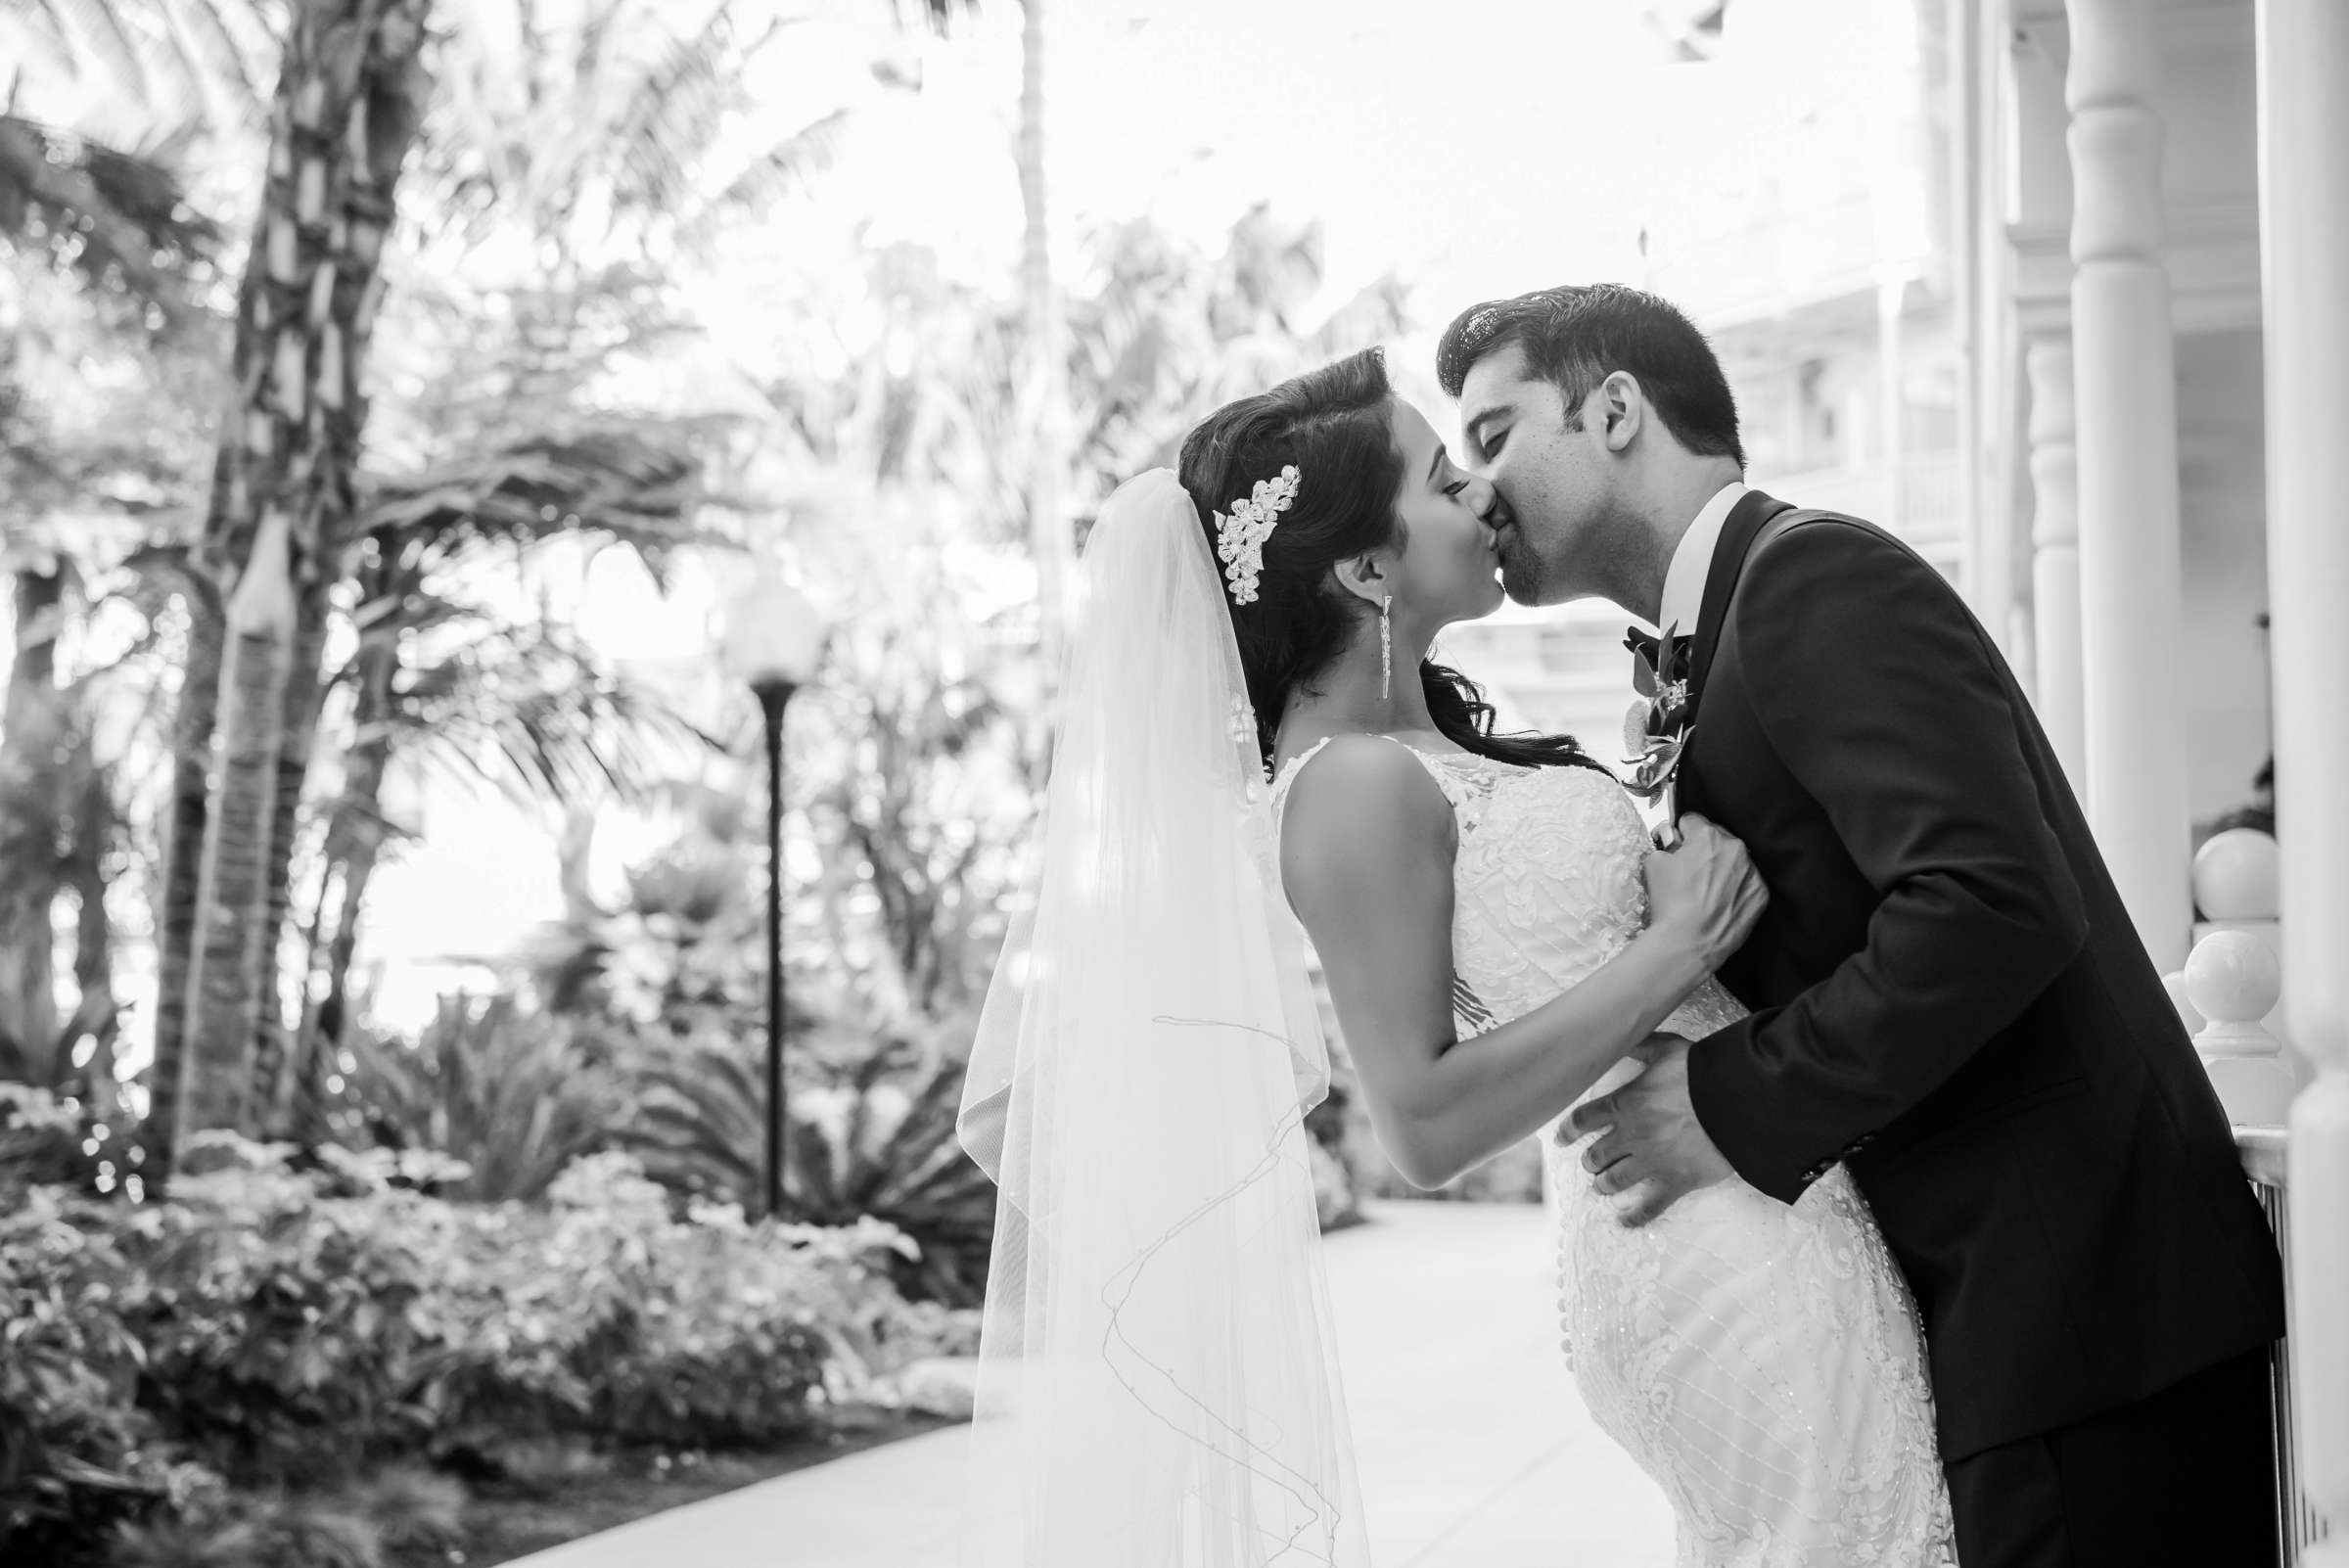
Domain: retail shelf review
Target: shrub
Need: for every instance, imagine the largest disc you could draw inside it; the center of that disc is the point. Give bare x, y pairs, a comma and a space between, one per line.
403, 1512
513, 1097
287, 1331
875, 1141
46, 1140
696, 1331
607, 1316
77, 1455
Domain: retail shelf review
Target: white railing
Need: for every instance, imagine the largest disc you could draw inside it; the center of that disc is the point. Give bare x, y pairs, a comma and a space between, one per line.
2231, 990
2229, 993
2298, 1525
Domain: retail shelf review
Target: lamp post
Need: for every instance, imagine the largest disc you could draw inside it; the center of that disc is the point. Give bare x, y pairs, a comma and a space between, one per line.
773, 641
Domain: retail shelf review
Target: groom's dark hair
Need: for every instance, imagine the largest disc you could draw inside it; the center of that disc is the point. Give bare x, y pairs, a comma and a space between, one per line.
1578, 334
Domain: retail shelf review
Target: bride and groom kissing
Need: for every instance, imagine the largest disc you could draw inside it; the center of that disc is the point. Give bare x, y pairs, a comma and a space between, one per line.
1897, 1221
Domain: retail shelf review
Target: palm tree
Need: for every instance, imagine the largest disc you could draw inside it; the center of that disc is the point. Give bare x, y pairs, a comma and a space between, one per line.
646, 133
599, 154
348, 104
1046, 386
112, 257
34, 722
441, 679
63, 831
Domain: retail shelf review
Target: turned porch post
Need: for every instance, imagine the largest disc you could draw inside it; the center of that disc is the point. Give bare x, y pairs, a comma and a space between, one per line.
2055, 553
2304, 235
2125, 394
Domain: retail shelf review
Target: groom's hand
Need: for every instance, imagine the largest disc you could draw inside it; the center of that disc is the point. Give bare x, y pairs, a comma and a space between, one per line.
1649, 1141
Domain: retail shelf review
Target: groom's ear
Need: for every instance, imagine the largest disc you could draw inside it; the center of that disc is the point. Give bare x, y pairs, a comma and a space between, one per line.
1622, 407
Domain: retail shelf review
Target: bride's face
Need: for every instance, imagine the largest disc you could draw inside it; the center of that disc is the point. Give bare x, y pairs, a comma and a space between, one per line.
1449, 564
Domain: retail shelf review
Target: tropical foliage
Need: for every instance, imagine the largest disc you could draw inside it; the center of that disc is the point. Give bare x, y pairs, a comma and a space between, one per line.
338, 343
175, 1369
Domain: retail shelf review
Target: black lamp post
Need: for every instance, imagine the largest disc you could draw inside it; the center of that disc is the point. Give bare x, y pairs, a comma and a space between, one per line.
773, 640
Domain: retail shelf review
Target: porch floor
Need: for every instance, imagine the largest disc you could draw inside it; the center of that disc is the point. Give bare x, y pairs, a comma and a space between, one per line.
1475, 1450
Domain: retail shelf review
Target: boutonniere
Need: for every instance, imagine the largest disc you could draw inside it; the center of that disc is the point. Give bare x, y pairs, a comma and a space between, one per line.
1657, 726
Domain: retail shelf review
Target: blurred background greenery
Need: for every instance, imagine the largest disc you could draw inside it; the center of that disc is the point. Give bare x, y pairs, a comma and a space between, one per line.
362, 363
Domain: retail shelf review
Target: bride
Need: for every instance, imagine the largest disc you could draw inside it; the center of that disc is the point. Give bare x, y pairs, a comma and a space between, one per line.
1250, 727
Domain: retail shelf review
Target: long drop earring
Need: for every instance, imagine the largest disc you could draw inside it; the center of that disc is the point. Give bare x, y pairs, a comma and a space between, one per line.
1386, 647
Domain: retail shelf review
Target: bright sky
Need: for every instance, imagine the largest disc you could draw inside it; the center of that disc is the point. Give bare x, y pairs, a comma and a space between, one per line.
1478, 147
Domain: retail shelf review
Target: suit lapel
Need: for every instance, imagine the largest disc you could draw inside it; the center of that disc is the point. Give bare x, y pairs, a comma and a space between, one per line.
1745, 524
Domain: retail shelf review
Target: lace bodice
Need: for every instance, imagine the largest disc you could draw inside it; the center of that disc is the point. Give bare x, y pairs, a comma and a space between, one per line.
1762, 1361
1546, 887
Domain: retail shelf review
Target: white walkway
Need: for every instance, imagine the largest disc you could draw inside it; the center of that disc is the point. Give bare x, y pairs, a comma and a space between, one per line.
1475, 1450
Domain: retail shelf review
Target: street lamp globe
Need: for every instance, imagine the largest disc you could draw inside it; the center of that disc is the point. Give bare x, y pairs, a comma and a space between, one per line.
772, 635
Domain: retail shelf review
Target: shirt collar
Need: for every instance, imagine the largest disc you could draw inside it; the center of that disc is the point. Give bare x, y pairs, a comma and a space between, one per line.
1692, 562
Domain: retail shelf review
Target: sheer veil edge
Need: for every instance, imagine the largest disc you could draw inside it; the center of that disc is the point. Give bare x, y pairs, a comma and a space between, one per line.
1158, 1381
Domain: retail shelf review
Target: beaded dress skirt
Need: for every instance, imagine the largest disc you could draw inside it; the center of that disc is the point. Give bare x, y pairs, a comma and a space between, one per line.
1762, 1362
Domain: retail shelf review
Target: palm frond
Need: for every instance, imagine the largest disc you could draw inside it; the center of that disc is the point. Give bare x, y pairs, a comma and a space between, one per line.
230, 56
93, 34
119, 219
516, 1096
634, 482
877, 1139
172, 57
770, 176
674, 112
533, 712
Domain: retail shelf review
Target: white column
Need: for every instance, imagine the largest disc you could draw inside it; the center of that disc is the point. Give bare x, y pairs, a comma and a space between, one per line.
2125, 385
2056, 552
2022, 636
2304, 234
1891, 413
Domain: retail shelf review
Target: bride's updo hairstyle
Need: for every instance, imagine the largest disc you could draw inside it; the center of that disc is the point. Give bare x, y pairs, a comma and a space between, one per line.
1335, 423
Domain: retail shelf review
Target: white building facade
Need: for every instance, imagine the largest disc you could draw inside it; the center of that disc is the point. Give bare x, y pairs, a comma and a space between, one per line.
2075, 322
2150, 219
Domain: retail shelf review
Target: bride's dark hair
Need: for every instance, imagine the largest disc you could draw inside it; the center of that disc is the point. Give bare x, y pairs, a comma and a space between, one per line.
1336, 425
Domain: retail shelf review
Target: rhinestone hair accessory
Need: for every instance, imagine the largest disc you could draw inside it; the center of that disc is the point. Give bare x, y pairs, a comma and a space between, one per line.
1240, 536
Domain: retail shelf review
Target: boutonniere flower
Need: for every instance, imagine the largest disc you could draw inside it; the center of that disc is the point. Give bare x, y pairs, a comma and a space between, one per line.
1657, 728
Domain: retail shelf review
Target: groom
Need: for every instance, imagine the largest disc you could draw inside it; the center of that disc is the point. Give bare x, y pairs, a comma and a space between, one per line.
1947, 996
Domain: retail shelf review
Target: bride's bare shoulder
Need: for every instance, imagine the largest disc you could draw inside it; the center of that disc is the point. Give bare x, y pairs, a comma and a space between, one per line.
1353, 790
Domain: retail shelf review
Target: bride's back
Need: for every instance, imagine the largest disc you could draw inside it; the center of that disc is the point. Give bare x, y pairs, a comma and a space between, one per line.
1546, 884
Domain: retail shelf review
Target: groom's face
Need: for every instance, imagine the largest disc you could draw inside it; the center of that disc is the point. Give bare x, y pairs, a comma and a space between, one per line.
1554, 478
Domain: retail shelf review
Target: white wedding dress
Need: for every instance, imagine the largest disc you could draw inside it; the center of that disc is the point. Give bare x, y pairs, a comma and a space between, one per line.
1763, 1362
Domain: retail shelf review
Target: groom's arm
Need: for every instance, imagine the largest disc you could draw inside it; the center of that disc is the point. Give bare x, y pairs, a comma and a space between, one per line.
1876, 692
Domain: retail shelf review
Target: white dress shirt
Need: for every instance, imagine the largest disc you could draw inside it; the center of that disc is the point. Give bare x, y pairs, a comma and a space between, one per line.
1692, 562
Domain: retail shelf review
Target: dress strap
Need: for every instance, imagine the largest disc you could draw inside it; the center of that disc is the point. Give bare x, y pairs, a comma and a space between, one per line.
1457, 789
1288, 774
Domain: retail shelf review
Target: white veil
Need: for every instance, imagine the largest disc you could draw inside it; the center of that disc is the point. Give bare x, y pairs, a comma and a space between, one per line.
1158, 1384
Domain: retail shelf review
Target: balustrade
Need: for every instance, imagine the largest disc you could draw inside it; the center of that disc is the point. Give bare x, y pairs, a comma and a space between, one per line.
2298, 1524
2230, 993
2231, 990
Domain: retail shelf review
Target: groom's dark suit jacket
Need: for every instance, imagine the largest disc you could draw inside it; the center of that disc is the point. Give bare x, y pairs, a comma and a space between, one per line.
1949, 997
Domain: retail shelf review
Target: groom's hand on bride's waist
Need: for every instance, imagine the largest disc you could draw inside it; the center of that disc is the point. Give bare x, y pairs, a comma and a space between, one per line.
1650, 1144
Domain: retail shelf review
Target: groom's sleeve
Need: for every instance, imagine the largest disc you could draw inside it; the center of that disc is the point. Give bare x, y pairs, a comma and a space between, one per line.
1880, 695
